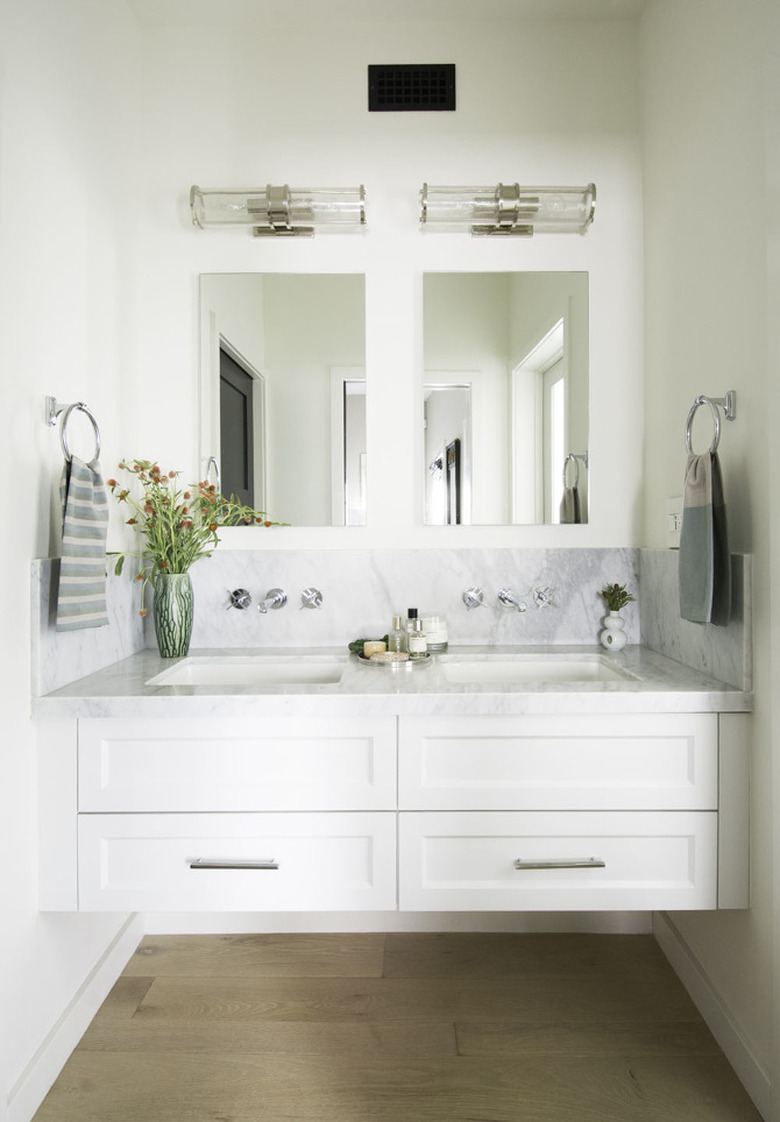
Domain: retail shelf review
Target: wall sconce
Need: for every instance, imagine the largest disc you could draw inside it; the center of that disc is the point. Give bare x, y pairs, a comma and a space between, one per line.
502, 210
282, 211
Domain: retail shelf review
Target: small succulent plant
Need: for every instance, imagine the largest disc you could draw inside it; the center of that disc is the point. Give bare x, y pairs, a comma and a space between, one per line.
615, 596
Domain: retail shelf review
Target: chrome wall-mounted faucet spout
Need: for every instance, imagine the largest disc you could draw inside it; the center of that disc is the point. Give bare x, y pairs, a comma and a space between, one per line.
275, 599
510, 598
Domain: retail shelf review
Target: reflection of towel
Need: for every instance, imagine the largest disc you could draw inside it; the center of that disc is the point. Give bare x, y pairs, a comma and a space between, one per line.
570, 505
81, 600
705, 564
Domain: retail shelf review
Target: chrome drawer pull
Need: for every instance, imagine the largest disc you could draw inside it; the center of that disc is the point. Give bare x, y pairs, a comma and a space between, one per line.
232, 863
562, 863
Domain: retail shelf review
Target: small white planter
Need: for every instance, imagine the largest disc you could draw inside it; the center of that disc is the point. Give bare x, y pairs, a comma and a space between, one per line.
613, 637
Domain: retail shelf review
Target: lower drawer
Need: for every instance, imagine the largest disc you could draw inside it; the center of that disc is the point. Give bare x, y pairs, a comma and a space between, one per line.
573, 861
237, 862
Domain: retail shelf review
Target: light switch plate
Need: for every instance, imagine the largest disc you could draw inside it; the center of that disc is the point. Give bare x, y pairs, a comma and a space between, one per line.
673, 521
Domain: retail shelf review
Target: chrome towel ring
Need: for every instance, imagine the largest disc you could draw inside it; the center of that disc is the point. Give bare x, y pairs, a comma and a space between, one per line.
574, 458
54, 409
729, 406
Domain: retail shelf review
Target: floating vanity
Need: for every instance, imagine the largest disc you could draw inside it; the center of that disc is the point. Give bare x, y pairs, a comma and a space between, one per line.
488, 779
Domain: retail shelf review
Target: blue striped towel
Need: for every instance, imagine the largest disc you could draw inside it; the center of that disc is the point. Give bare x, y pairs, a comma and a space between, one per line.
81, 598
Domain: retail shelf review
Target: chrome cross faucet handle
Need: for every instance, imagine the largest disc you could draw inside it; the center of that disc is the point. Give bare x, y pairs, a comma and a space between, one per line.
544, 597
311, 598
276, 598
239, 598
509, 598
472, 598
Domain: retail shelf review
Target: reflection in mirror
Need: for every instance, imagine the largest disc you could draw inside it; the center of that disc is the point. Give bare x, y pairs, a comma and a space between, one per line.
283, 392
505, 397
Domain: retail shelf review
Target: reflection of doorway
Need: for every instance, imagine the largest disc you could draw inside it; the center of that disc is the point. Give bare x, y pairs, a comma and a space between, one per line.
447, 422
241, 428
538, 409
348, 445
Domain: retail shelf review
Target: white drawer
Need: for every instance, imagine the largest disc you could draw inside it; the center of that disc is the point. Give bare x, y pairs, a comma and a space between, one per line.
466, 862
237, 765
585, 762
144, 862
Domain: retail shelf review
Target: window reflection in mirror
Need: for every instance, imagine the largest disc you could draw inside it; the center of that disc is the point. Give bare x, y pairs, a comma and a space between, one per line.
506, 384
283, 392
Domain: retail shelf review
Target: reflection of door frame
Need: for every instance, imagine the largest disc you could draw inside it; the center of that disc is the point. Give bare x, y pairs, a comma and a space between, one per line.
527, 400
260, 441
340, 377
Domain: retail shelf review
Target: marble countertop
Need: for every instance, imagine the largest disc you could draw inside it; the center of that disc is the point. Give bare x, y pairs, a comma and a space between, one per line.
652, 683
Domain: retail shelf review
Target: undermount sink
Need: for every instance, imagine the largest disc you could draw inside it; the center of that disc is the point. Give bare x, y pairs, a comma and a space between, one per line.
251, 670
519, 668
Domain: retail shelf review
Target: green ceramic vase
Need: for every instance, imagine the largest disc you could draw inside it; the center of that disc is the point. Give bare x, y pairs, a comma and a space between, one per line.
173, 605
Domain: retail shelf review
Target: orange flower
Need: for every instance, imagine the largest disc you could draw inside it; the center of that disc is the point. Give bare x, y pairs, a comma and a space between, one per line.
142, 612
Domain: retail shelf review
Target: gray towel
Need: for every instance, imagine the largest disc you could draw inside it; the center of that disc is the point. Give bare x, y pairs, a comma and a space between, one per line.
705, 562
81, 597
570, 506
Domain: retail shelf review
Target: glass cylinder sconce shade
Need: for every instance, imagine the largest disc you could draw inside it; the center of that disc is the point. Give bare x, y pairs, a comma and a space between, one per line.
520, 211
271, 211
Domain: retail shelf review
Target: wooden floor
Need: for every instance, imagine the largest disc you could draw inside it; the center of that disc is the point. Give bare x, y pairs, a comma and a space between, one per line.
401, 1027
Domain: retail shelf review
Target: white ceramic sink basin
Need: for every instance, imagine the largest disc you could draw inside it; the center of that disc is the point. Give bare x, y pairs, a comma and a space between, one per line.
251, 670
549, 668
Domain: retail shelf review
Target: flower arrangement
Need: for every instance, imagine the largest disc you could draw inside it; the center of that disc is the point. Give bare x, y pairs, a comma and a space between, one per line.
178, 526
615, 596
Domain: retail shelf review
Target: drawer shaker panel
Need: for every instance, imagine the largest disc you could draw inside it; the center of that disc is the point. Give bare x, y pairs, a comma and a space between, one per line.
585, 762
237, 862
565, 861
237, 765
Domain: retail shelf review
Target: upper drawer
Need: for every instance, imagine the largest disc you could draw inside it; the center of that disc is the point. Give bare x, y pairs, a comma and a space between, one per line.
224, 765
587, 762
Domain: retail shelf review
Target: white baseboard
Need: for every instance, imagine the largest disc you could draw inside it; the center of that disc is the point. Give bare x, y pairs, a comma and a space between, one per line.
723, 1026
31, 1088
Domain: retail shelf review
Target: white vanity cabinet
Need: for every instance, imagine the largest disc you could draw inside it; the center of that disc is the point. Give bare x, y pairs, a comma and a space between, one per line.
271, 814
590, 811
575, 812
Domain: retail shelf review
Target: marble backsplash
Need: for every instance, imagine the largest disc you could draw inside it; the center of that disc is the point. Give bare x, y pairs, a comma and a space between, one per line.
724, 652
362, 589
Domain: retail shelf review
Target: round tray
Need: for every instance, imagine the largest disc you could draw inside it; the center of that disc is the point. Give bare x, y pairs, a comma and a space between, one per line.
398, 667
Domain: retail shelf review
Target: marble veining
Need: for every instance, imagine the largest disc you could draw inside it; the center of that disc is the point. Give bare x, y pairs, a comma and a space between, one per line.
362, 589
58, 657
723, 652
652, 683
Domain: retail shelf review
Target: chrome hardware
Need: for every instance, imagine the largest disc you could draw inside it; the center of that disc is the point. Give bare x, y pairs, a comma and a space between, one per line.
213, 464
239, 598
276, 599
232, 863
561, 863
729, 406
473, 598
509, 598
544, 597
311, 598
54, 409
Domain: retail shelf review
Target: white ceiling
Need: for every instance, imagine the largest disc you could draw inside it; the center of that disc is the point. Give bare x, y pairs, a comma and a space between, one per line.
209, 12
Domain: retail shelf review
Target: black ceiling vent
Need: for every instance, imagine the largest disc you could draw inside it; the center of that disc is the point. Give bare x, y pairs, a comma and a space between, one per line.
409, 88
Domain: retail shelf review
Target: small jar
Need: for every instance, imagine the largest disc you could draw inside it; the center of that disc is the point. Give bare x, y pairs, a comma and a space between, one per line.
435, 628
418, 644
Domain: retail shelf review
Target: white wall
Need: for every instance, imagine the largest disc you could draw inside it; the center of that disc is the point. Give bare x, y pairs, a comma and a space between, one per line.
536, 102
706, 321
66, 294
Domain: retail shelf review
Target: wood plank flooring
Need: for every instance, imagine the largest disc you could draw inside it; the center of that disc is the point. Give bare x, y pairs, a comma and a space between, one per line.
401, 1027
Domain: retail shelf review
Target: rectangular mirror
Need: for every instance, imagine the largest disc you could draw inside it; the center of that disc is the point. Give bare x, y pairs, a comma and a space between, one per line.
505, 398
283, 392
